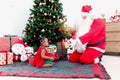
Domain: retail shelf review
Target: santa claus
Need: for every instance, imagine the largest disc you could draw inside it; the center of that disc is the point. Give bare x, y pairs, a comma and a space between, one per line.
89, 41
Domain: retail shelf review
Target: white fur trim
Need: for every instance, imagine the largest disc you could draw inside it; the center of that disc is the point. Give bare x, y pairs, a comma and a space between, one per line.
98, 49
96, 60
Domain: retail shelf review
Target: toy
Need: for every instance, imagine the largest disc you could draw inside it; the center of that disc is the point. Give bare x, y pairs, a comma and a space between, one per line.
21, 49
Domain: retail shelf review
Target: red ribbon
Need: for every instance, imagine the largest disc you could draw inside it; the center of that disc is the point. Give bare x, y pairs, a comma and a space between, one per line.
62, 48
6, 57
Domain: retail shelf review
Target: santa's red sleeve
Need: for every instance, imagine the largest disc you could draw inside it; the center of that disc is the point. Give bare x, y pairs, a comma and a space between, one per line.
95, 34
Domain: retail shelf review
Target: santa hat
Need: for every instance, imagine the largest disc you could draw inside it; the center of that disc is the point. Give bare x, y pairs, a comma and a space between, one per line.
26, 45
20, 41
86, 8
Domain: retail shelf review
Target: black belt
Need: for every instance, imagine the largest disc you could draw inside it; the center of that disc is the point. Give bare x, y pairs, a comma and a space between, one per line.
96, 44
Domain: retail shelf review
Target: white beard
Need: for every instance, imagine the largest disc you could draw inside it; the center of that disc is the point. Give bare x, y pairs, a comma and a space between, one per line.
83, 27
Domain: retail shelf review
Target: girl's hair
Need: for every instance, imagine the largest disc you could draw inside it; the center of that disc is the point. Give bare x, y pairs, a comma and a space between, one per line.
41, 39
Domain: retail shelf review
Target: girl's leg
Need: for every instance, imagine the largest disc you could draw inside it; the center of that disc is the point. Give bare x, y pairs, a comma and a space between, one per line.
48, 63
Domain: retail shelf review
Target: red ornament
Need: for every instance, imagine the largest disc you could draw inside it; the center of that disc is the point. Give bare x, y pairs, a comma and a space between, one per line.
49, 20
49, 41
34, 36
59, 30
29, 28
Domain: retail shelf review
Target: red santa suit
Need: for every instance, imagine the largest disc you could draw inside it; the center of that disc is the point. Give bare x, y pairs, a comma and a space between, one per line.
94, 39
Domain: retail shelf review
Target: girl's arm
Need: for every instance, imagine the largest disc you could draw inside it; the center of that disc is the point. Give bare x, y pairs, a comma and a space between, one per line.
44, 56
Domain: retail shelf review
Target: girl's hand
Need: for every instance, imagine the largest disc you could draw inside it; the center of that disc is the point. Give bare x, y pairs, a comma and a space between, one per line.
51, 58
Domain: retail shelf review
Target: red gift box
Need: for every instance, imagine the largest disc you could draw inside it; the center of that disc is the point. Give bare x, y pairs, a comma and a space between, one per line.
7, 42
4, 44
6, 58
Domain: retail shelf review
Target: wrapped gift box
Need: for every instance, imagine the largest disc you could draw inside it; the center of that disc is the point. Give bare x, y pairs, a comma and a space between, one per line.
7, 42
6, 58
4, 44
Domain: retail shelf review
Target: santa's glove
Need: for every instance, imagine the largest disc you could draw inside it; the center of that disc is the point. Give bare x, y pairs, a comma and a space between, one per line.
79, 46
72, 42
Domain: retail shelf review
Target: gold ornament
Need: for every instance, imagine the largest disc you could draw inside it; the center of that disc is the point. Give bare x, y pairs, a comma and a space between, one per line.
53, 16
42, 30
52, 1
45, 14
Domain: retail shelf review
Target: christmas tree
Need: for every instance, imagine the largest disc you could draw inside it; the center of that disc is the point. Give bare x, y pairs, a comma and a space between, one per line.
46, 19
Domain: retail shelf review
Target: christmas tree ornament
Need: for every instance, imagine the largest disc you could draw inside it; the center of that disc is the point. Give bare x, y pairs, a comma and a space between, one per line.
54, 33
54, 9
45, 14
49, 31
29, 28
52, 1
53, 16
49, 20
59, 30
56, 37
34, 36
37, 29
43, 3
49, 41
42, 30
48, 14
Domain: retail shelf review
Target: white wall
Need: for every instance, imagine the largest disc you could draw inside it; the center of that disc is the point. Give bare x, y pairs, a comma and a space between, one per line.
73, 8
13, 16
14, 13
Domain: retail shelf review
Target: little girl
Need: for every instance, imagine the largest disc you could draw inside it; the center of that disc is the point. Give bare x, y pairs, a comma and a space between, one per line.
42, 59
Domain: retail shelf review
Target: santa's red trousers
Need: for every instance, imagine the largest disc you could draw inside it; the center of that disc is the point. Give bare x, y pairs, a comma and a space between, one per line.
87, 57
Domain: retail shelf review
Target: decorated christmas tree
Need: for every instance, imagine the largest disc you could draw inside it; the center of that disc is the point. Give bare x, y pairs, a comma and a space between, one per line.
46, 19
